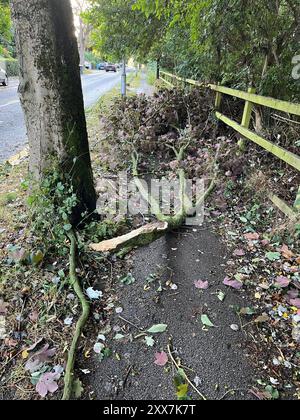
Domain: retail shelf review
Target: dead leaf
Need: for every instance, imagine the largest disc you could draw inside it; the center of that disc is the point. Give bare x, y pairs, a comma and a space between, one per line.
282, 282
251, 236
262, 318
295, 302
161, 359
235, 284
200, 284
286, 252
39, 358
238, 253
47, 383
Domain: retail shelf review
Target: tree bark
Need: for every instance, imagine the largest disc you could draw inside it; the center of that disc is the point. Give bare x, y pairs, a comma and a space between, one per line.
51, 94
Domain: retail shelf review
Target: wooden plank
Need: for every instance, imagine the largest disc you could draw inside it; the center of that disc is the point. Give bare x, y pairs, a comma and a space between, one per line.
283, 206
246, 118
278, 151
218, 100
166, 81
166, 73
195, 83
283, 106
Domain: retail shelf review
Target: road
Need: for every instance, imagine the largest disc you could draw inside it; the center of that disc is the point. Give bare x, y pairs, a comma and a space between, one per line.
12, 126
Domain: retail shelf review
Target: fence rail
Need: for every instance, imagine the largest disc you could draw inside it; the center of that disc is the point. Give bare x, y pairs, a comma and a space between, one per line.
251, 99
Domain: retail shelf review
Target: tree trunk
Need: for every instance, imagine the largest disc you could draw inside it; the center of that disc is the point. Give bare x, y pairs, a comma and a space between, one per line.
51, 93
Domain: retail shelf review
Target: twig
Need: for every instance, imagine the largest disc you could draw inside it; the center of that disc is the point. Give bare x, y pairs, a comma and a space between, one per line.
231, 390
126, 376
131, 323
69, 375
186, 377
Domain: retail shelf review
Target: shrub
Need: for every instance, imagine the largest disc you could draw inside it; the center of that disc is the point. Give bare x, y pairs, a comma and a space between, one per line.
11, 65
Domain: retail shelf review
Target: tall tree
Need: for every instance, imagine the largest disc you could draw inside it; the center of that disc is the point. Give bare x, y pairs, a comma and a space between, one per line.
51, 93
84, 28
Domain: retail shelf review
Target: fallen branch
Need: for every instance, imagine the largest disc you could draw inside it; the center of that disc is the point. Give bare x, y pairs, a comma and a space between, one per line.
138, 237
74, 281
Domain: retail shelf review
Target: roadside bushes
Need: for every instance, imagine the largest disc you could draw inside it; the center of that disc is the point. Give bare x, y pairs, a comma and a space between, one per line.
11, 65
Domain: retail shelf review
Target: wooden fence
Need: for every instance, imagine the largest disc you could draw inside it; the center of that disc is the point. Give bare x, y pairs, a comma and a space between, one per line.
251, 99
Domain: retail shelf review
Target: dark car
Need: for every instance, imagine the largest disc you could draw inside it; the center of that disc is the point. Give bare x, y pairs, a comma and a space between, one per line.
111, 67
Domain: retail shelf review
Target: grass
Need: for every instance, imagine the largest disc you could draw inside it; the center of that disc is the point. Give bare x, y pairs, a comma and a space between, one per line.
151, 76
7, 198
12, 196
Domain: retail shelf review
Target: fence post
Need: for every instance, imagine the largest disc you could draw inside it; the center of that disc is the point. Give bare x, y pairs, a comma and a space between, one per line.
246, 117
158, 69
218, 100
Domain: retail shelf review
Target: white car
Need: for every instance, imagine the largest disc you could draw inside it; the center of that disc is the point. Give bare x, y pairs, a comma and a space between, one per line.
3, 77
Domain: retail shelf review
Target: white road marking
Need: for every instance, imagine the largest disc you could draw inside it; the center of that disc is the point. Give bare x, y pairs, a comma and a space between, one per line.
10, 103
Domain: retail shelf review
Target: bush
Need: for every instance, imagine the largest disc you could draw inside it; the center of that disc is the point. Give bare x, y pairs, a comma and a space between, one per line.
11, 65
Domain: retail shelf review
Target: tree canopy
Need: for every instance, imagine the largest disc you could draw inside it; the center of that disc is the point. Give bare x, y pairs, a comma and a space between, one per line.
6, 33
120, 30
234, 42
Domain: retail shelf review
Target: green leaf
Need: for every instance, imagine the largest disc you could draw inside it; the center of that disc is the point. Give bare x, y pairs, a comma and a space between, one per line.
206, 321
128, 280
247, 311
181, 373
106, 352
182, 390
221, 296
273, 392
67, 227
158, 328
119, 336
77, 389
36, 258
149, 341
273, 256
243, 219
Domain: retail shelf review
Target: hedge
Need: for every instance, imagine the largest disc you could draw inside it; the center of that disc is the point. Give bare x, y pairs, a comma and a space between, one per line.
10, 65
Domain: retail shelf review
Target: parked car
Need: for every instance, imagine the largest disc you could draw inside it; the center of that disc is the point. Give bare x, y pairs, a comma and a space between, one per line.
101, 66
3, 77
111, 67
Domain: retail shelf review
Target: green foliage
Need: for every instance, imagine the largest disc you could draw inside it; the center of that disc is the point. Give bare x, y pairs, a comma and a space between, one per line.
97, 231
93, 58
233, 42
151, 73
121, 31
11, 66
6, 31
51, 205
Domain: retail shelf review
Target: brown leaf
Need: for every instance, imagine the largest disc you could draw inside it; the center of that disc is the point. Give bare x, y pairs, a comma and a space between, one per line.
286, 252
